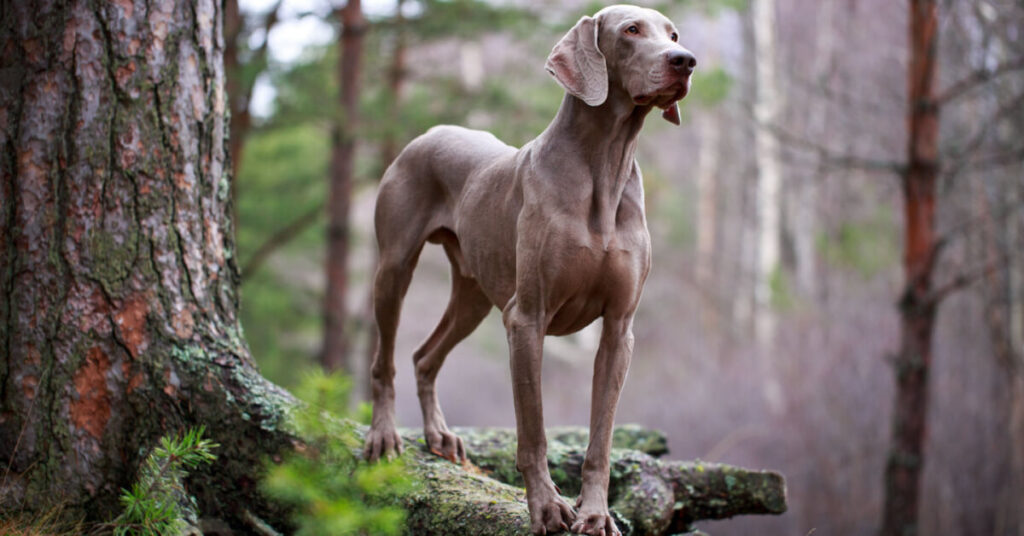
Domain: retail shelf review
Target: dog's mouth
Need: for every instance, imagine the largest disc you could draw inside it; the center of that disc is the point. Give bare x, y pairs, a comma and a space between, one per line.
665, 97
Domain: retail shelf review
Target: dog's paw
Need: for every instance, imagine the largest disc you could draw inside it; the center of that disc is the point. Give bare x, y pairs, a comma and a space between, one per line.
382, 442
551, 515
446, 444
595, 524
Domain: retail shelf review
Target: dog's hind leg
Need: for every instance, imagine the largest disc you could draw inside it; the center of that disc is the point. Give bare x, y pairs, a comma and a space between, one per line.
400, 247
467, 307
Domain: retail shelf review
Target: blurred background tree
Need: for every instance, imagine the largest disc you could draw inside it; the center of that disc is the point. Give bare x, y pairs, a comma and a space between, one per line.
769, 315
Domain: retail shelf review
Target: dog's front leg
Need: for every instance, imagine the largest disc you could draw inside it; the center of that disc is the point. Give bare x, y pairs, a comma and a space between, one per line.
610, 367
548, 511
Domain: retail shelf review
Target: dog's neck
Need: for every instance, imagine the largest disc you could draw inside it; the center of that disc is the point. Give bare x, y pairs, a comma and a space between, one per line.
604, 139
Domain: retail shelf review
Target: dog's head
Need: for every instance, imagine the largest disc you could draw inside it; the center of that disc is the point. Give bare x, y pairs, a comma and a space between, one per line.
636, 49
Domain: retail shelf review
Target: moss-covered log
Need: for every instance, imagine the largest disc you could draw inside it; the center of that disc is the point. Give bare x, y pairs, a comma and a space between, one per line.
648, 496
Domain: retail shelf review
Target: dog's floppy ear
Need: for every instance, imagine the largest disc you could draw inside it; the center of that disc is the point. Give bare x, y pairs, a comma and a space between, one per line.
578, 65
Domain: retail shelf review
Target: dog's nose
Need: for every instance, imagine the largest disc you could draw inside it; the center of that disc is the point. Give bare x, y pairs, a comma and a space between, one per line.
682, 61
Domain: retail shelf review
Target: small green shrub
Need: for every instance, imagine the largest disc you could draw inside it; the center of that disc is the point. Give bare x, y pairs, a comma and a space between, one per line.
157, 504
332, 491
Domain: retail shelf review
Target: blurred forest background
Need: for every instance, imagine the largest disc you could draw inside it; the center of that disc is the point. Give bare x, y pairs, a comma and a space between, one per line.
770, 331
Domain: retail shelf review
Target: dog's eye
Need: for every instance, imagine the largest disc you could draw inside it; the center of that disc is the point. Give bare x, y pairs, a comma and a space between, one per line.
675, 37
633, 29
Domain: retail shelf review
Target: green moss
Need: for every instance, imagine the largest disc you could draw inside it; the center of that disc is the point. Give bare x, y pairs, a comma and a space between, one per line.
462, 502
113, 260
636, 437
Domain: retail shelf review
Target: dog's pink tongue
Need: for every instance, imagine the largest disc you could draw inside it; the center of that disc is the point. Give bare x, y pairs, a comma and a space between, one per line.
671, 113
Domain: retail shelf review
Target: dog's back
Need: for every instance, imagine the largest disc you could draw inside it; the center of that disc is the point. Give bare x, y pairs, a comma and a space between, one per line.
444, 157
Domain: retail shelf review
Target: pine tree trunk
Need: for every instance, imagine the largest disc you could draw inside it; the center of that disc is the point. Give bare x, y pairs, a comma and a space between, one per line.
335, 350
388, 153
917, 306
118, 316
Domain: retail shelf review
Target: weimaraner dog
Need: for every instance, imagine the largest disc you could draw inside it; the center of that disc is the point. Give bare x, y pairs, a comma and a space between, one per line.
553, 234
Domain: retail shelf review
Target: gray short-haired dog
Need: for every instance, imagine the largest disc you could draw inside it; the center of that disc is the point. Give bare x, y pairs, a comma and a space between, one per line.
553, 234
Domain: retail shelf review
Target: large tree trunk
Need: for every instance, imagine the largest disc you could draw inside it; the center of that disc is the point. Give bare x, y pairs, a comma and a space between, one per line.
118, 317
339, 200
767, 105
918, 304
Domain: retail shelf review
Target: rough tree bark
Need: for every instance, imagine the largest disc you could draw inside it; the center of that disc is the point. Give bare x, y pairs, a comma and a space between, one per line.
343, 144
917, 305
118, 312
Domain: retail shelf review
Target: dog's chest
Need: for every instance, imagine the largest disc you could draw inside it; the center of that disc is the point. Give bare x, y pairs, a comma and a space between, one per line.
593, 274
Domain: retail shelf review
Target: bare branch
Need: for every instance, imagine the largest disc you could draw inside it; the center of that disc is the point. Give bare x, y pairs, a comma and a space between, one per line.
960, 157
833, 159
977, 78
999, 159
999, 216
960, 281
283, 236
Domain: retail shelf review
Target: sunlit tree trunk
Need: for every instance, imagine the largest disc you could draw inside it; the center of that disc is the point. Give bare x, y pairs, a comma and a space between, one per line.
707, 177
806, 189
339, 200
744, 195
118, 310
767, 105
917, 305
769, 172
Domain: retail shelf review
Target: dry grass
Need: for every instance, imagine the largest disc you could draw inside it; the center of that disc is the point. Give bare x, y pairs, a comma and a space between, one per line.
50, 523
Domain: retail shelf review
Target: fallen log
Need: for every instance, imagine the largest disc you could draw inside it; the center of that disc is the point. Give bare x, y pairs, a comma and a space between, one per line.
648, 496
